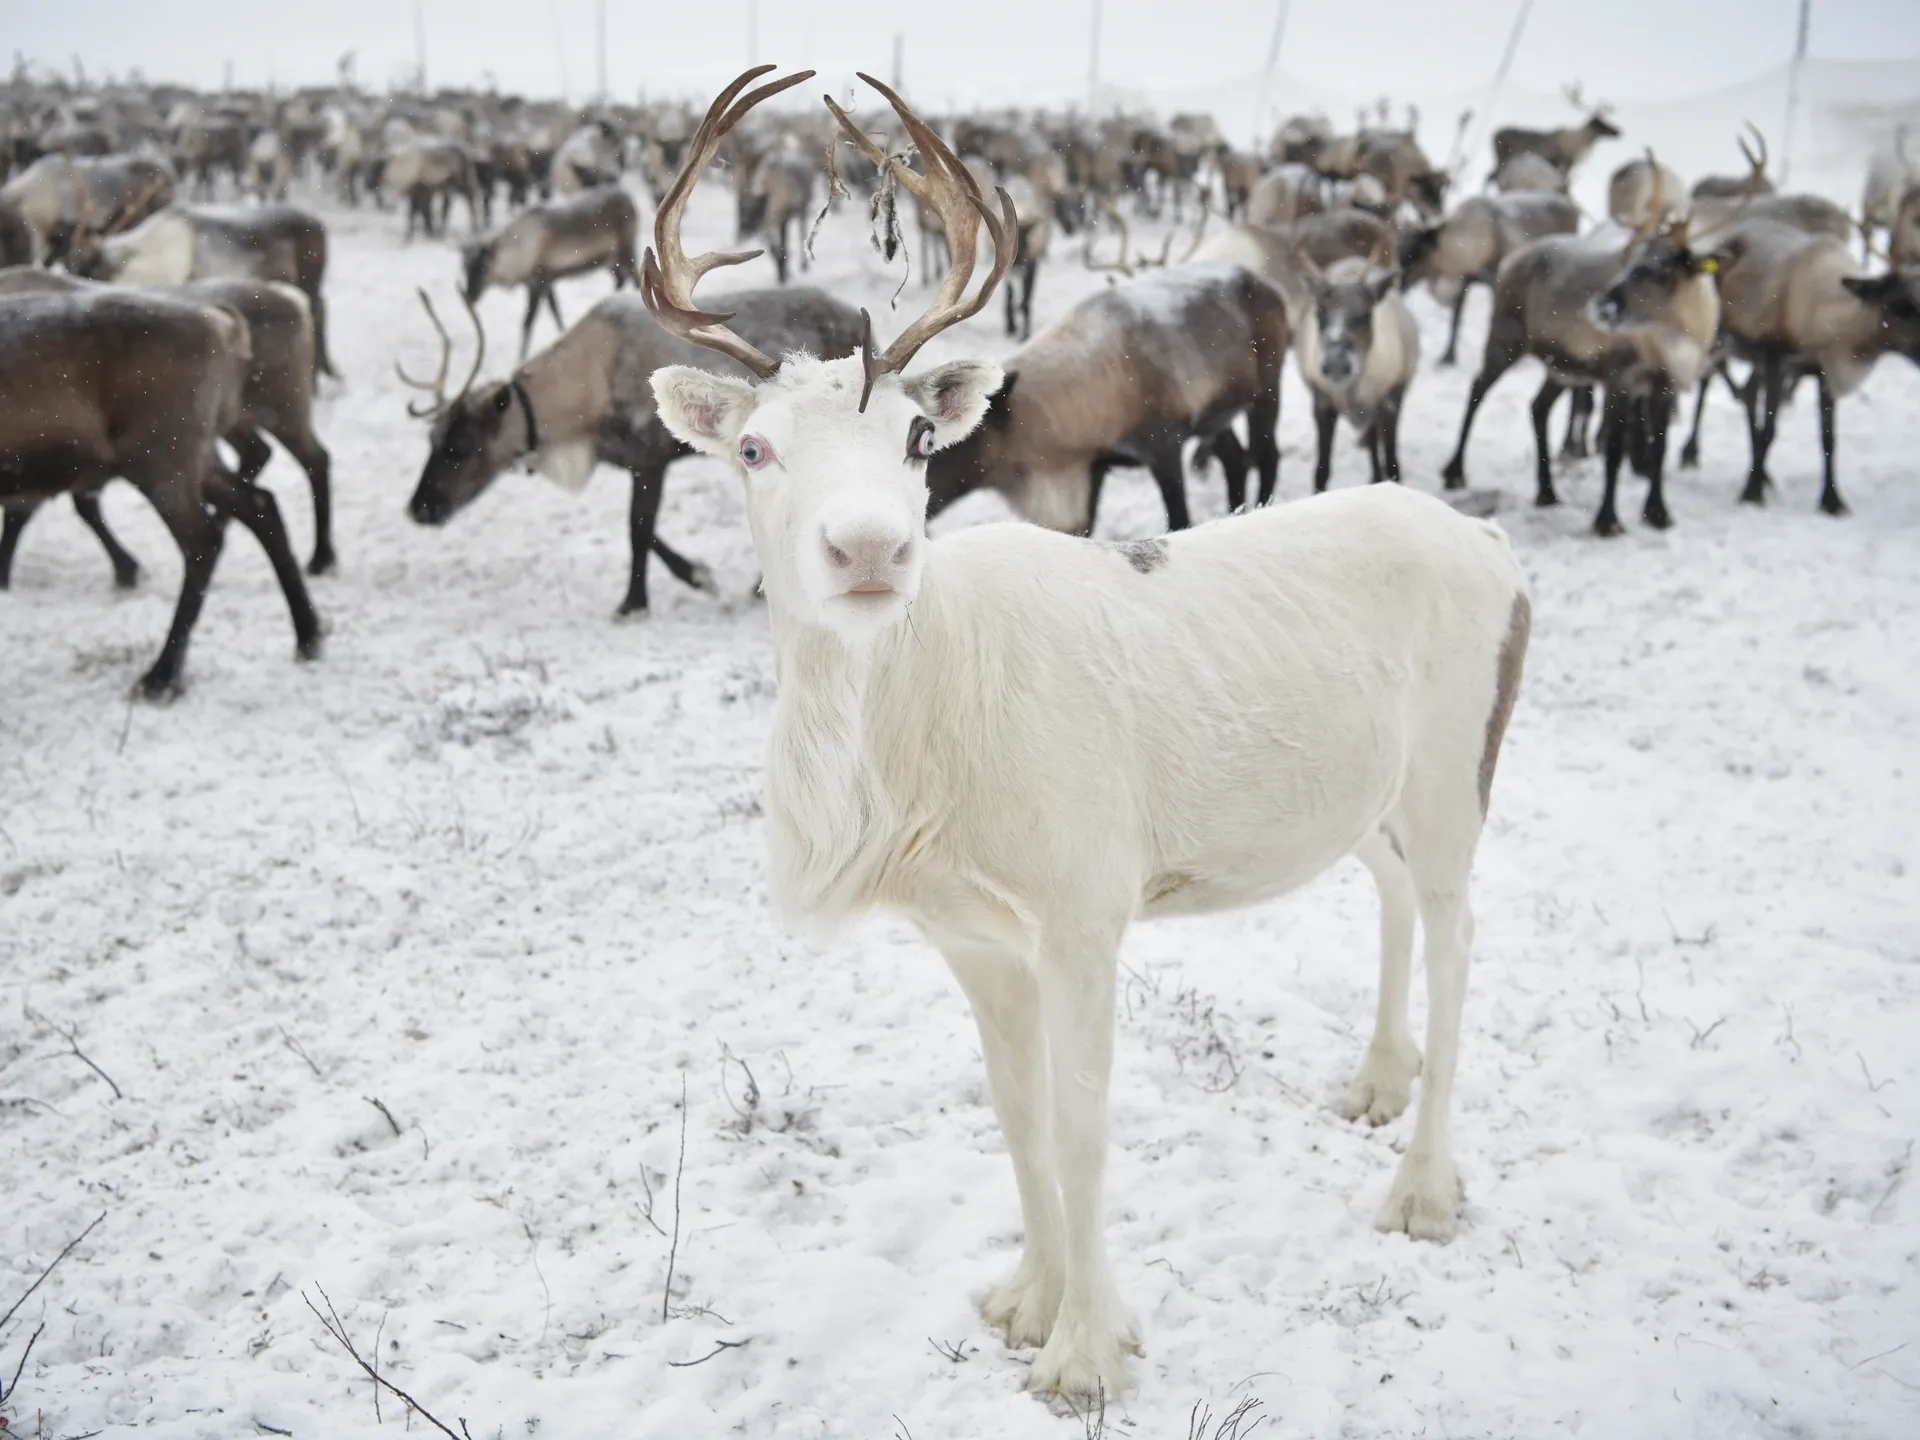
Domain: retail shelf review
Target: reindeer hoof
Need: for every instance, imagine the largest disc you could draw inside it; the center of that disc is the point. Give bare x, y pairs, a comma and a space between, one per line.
1657, 517
1607, 525
1832, 504
322, 563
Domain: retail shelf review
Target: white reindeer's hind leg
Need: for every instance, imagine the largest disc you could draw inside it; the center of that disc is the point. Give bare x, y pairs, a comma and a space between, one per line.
1085, 1356
1005, 998
1384, 1082
1426, 1194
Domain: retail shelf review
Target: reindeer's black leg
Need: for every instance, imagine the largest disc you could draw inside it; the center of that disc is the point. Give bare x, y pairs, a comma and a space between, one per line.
1169, 473
1542, 410
1031, 267
312, 457
1690, 452
1372, 442
648, 478
1613, 432
251, 450
1263, 420
18, 513
1325, 418
1389, 425
1453, 332
126, 569
526, 324
1765, 390
1232, 456
1659, 415
1497, 362
199, 535
1830, 500
257, 510
553, 306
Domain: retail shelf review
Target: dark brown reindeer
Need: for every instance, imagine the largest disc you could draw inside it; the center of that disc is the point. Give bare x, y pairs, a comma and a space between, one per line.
590, 230
1795, 305
1126, 378
183, 242
137, 385
276, 400
585, 400
1637, 320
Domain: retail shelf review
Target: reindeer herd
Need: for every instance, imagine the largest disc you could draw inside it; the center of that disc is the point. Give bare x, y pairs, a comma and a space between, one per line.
1306, 249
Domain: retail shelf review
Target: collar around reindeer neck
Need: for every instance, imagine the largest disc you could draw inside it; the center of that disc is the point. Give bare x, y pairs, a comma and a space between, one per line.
526, 411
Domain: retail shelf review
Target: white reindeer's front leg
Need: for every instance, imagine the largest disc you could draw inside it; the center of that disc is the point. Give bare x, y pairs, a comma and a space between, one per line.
1086, 1354
1006, 1006
1384, 1083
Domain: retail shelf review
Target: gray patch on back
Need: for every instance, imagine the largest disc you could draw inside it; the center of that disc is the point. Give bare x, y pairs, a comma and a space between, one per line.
1146, 556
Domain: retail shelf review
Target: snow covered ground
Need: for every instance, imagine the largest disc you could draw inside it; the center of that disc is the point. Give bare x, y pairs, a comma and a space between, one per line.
495, 864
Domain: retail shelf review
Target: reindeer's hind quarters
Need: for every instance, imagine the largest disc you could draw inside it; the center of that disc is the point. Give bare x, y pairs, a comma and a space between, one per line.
1424, 1203
1381, 1087
1085, 1360
1024, 1308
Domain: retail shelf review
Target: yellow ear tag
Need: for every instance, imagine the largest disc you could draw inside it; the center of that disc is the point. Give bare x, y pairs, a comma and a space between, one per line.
1710, 265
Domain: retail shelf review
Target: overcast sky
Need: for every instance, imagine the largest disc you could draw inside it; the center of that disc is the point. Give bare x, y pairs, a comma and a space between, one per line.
1038, 49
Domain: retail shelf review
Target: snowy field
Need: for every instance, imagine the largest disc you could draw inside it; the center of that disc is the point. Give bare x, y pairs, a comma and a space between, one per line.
495, 864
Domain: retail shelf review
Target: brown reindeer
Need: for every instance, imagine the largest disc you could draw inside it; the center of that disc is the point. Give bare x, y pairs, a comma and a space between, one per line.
1564, 148
1467, 247
586, 400
1637, 320
1795, 305
131, 384
1127, 377
276, 400
590, 230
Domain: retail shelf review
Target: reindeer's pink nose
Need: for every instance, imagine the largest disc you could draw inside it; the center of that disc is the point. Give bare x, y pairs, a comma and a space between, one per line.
868, 556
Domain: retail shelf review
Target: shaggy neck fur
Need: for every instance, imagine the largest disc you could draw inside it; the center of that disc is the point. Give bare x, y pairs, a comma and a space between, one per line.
838, 837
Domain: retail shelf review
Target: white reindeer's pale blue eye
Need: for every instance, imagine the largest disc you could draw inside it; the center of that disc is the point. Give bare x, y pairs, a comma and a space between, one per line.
754, 452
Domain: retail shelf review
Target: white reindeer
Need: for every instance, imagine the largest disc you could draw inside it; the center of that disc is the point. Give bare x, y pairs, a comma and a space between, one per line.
1025, 741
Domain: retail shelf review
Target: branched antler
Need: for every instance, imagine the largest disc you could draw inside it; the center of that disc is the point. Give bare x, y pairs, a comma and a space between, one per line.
949, 192
438, 385
667, 282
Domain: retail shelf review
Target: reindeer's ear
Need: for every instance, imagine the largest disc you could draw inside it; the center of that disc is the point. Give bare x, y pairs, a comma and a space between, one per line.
1382, 283
954, 396
704, 410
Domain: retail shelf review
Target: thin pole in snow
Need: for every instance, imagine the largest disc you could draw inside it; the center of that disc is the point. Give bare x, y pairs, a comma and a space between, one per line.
600, 38
1793, 87
1093, 62
420, 45
1266, 76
